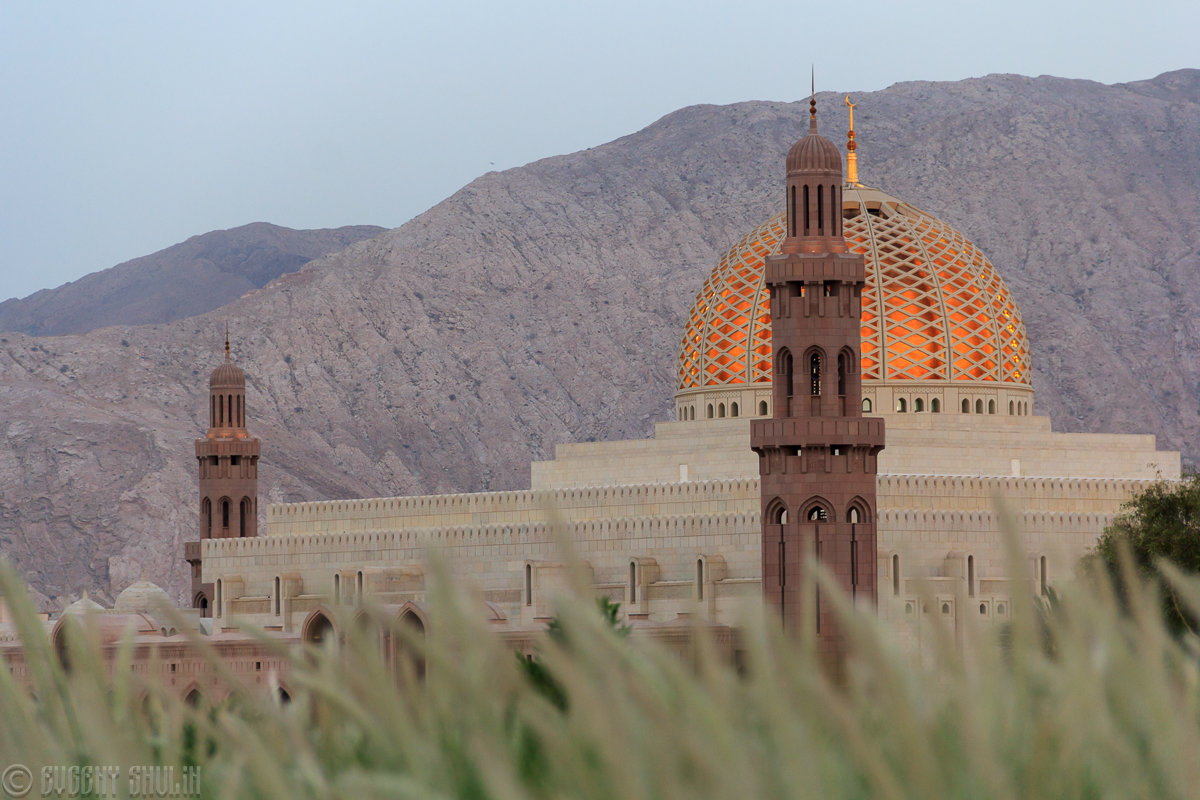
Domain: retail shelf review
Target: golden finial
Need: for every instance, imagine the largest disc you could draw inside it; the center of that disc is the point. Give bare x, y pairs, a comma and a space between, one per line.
851, 146
227, 341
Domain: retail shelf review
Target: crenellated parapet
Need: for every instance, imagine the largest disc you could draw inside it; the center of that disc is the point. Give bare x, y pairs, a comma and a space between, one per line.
487, 508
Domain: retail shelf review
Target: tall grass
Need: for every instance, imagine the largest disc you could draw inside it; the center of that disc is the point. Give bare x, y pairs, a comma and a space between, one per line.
1109, 710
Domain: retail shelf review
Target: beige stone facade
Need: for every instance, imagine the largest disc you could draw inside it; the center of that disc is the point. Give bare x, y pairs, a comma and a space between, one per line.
670, 526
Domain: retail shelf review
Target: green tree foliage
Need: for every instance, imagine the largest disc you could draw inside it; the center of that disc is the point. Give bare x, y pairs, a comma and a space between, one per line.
1160, 524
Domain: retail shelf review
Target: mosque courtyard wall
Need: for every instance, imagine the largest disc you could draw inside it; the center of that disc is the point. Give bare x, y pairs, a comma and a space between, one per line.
672, 541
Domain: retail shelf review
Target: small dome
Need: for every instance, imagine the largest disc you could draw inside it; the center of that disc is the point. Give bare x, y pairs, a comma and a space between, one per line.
141, 597
84, 605
227, 376
814, 152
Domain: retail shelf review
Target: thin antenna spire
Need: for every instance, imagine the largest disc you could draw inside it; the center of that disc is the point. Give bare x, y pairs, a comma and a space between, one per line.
226, 341
812, 103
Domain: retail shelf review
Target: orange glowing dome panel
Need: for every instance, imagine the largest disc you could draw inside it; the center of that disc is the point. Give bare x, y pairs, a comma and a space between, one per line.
933, 307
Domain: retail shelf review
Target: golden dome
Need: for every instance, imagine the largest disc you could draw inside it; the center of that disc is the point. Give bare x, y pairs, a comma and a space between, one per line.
933, 309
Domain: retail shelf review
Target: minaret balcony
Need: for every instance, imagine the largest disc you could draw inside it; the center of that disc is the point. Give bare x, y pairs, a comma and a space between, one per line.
817, 432
815, 269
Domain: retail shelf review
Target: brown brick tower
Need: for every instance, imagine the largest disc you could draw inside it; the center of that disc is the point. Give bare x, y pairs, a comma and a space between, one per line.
228, 460
817, 454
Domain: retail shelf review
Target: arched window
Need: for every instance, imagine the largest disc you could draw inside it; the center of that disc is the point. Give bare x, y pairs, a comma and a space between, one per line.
945, 608
901, 405
632, 582
337, 588
776, 512
528, 584
221, 412
784, 371
218, 605
867, 404
792, 211
206, 518
691, 412
895, 574
966, 406
852, 516
918, 405
841, 373
243, 515
1043, 574
699, 578
1010, 408
818, 514
275, 596
806, 210
978, 406
709, 413
358, 585
733, 409
820, 210
970, 576
814, 374
225, 513
935, 406
201, 602
721, 410
991, 406
762, 408
983, 609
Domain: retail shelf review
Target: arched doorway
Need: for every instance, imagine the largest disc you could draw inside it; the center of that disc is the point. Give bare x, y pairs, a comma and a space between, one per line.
410, 649
318, 629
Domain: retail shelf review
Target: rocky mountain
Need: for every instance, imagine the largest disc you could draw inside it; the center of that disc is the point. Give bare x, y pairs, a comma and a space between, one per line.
198, 275
545, 304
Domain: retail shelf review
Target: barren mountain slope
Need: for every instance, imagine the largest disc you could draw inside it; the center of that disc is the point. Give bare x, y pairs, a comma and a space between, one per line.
198, 275
545, 304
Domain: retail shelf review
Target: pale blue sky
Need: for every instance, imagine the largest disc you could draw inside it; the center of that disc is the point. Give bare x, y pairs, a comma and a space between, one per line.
130, 126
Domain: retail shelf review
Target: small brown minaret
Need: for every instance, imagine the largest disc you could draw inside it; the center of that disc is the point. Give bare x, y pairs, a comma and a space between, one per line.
228, 461
817, 454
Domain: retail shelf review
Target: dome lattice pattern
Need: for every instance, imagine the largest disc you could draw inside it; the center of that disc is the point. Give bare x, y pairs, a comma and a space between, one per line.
933, 308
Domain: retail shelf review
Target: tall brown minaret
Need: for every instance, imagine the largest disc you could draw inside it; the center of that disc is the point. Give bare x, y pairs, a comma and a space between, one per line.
228, 461
817, 454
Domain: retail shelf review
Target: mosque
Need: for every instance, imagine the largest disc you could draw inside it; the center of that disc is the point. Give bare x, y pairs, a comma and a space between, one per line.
889, 468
